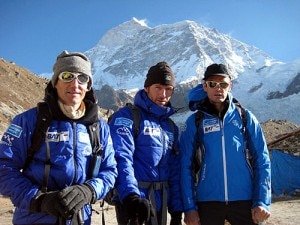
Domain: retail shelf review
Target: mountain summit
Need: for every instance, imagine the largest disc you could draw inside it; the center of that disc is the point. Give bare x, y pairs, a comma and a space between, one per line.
122, 57
125, 53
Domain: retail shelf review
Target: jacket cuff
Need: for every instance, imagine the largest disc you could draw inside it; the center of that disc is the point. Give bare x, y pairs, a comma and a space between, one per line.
94, 195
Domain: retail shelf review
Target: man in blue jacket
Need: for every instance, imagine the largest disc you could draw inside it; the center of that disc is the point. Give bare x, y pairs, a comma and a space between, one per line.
234, 179
148, 182
55, 187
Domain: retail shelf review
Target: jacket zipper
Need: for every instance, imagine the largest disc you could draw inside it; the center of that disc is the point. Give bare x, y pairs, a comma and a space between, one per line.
224, 163
74, 150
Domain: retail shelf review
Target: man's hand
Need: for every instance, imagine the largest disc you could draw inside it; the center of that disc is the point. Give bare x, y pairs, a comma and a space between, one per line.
73, 198
47, 203
139, 209
260, 214
192, 218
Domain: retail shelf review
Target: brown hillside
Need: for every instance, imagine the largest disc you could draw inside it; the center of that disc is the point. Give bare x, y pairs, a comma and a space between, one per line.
20, 89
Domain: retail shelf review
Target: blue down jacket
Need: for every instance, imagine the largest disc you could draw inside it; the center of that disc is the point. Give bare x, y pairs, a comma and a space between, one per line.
150, 157
71, 151
225, 172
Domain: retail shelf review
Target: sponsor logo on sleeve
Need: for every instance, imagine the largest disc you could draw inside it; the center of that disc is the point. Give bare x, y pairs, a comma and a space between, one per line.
7, 140
123, 131
14, 130
122, 121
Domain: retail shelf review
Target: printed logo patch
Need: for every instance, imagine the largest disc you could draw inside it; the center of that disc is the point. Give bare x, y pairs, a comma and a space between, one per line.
123, 131
56, 136
122, 121
211, 125
7, 140
235, 123
152, 131
14, 130
168, 78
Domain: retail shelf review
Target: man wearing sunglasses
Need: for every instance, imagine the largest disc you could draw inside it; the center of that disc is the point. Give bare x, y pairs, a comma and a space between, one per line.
148, 182
234, 179
65, 174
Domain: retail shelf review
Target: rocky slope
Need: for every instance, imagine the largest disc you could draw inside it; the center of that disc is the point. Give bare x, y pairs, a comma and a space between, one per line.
19, 90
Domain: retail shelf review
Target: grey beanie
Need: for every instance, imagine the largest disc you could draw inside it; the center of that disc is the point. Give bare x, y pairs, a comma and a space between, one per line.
72, 62
161, 73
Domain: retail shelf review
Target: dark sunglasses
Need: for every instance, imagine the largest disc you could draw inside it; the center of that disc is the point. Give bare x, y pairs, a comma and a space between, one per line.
213, 84
70, 76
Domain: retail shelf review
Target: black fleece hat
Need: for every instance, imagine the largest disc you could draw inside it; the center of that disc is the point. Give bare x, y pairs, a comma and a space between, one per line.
161, 73
216, 69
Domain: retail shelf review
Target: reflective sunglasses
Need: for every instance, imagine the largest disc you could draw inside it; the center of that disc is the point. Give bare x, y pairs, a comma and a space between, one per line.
70, 76
213, 84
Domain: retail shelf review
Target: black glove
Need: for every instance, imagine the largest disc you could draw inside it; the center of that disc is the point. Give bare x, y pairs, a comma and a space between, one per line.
176, 218
73, 198
138, 208
48, 203
77, 218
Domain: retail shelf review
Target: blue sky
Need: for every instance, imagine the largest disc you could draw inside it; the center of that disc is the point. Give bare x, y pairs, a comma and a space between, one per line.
34, 32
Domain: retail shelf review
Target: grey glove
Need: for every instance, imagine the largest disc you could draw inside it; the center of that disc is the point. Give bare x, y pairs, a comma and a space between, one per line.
47, 203
73, 198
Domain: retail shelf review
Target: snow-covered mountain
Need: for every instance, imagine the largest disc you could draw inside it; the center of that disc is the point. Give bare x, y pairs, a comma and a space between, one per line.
272, 92
122, 57
269, 88
125, 53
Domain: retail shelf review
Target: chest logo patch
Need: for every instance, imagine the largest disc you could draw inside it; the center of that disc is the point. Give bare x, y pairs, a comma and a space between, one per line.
211, 125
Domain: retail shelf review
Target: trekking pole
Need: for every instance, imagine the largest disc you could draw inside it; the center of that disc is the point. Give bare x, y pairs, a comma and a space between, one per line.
102, 209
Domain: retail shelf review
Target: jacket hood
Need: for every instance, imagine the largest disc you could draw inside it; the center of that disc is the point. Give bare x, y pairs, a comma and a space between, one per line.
196, 96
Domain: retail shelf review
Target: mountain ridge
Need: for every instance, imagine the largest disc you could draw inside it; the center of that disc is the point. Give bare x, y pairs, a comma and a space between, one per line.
260, 81
186, 45
123, 55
